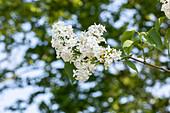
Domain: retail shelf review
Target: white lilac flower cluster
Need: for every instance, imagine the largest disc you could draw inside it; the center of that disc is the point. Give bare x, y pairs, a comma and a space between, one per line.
86, 51
166, 7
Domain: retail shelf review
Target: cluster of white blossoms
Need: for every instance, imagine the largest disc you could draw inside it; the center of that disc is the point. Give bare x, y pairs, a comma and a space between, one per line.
166, 7
86, 51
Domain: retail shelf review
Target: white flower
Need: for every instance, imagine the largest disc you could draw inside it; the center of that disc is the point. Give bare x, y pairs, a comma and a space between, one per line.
81, 75
66, 54
97, 30
84, 51
163, 1
166, 7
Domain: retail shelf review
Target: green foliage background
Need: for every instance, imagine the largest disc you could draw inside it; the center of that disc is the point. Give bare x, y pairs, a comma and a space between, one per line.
71, 99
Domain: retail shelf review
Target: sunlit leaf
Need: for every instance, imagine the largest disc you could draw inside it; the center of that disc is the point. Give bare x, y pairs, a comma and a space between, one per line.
128, 35
127, 43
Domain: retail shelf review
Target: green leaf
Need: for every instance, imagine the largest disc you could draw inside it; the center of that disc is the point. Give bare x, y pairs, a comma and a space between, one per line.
167, 39
154, 34
131, 65
127, 35
159, 22
148, 38
135, 42
153, 37
140, 56
127, 43
69, 71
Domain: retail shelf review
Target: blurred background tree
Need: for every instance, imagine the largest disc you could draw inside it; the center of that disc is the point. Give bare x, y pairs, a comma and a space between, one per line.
27, 58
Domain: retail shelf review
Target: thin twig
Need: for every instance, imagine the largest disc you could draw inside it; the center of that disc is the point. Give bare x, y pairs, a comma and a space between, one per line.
149, 64
15, 76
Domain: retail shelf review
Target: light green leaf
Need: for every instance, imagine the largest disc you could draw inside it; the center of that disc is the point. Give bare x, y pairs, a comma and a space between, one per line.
167, 39
127, 43
127, 35
131, 65
154, 34
159, 22
69, 71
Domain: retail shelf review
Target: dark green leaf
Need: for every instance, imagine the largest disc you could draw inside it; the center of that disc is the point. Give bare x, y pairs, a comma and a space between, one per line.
69, 70
154, 34
135, 42
131, 65
148, 38
153, 37
128, 35
159, 22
